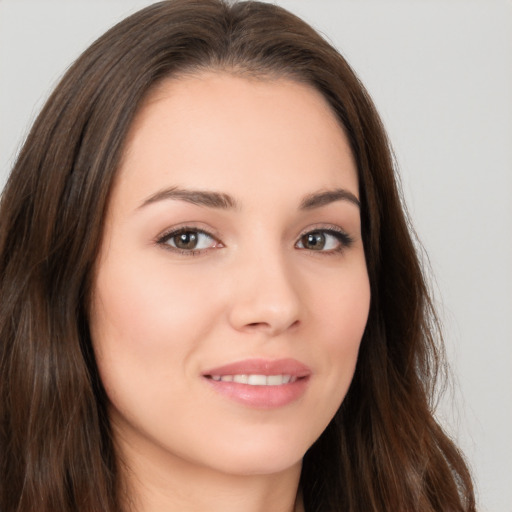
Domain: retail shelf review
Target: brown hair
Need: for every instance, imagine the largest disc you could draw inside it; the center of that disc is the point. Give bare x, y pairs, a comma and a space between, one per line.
382, 451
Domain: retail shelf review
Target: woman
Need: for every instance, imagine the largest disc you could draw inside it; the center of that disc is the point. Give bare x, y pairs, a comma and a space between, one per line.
208, 284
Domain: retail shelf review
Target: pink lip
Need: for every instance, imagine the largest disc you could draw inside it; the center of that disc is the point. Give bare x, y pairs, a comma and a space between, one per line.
261, 397
262, 367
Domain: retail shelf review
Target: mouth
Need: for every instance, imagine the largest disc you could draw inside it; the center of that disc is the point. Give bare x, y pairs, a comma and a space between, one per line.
260, 383
256, 380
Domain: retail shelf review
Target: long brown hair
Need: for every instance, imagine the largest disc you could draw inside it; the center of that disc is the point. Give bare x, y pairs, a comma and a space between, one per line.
382, 451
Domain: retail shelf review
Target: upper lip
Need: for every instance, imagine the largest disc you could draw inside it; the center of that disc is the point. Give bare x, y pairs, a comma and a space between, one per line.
288, 366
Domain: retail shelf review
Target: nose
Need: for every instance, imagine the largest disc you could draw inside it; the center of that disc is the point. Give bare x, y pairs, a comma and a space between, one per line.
265, 296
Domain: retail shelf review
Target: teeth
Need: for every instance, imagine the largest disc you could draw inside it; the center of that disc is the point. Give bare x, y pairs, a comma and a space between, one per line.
256, 380
275, 380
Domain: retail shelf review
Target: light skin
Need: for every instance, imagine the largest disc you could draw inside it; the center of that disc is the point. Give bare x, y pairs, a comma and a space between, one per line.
233, 233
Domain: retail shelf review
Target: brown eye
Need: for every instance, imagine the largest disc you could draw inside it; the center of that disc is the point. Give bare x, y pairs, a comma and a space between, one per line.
313, 241
188, 240
324, 240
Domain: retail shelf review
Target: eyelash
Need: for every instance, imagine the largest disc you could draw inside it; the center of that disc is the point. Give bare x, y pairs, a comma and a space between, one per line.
344, 240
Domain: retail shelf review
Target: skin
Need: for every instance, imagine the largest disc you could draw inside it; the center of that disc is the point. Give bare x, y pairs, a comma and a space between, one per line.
253, 288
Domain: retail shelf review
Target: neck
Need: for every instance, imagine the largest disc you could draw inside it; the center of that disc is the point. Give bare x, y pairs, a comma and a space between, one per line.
161, 484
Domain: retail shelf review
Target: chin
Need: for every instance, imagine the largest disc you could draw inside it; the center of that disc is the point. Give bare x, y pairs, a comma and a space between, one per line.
246, 466
260, 457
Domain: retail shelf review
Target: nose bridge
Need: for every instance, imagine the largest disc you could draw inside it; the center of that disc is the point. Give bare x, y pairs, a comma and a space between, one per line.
266, 296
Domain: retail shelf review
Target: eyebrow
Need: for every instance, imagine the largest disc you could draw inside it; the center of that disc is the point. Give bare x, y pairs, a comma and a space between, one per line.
197, 197
223, 201
319, 199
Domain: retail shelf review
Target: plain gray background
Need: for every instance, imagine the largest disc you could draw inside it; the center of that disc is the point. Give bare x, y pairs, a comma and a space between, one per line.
440, 73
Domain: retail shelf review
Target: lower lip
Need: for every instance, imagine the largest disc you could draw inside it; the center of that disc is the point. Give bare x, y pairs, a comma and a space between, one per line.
261, 397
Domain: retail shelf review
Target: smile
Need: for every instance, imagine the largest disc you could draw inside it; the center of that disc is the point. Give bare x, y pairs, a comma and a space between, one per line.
260, 383
256, 380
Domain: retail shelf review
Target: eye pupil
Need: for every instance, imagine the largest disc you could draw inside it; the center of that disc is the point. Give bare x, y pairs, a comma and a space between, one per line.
186, 240
315, 241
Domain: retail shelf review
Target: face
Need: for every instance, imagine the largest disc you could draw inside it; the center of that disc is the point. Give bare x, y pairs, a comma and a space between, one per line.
231, 291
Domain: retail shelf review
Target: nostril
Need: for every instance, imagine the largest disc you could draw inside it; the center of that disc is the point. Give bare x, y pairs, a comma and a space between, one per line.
258, 325
267, 325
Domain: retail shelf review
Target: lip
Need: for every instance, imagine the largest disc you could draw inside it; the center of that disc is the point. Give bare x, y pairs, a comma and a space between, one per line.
262, 367
261, 397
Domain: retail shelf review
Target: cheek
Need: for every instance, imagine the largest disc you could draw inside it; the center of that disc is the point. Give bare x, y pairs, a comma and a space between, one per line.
342, 314
342, 309
145, 307
145, 325
145, 331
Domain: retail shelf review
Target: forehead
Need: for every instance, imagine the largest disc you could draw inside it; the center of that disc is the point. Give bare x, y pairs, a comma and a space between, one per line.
232, 133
